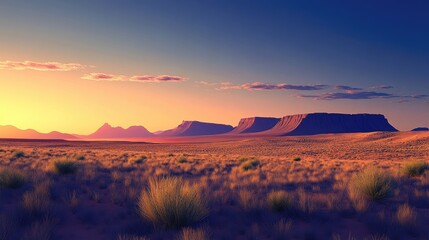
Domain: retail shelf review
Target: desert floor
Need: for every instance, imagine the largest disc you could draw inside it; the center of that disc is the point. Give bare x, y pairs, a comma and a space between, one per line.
99, 200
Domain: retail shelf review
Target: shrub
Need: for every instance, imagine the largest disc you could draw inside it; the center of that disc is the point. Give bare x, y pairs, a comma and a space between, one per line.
297, 159
63, 166
182, 160
170, 155
80, 157
405, 215
140, 160
18, 154
249, 164
169, 203
371, 183
193, 234
10, 178
415, 168
279, 201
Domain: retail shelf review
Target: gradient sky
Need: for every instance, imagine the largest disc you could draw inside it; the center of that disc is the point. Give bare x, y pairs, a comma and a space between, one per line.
73, 65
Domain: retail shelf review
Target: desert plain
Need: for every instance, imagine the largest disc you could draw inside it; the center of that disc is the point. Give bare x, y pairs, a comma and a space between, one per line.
303, 187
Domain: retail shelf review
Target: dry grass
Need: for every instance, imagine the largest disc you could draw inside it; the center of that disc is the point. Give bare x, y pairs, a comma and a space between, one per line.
193, 234
170, 203
43, 230
405, 215
371, 183
279, 201
247, 200
18, 154
104, 194
37, 202
415, 168
249, 164
10, 178
63, 166
131, 237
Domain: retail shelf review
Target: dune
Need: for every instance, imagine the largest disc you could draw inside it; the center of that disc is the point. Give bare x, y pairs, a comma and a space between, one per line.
14, 132
107, 131
255, 124
324, 123
196, 128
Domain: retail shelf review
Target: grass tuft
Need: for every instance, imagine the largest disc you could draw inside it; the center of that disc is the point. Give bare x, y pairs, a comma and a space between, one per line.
131, 237
182, 160
372, 184
249, 164
405, 215
415, 168
139, 160
18, 154
37, 202
10, 178
171, 204
63, 166
279, 201
193, 234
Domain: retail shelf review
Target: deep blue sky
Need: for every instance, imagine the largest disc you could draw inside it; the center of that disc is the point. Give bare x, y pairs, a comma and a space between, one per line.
357, 44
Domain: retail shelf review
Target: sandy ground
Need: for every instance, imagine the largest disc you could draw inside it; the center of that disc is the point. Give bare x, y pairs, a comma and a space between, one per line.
99, 200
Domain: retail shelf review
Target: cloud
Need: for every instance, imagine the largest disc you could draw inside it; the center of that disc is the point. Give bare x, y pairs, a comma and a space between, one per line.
160, 78
354, 95
141, 78
104, 77
343, 87
279, 86
41, 66
381, 87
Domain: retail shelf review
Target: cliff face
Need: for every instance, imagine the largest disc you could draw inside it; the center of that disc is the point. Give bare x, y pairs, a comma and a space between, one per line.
322, 123
195, 128
255, 124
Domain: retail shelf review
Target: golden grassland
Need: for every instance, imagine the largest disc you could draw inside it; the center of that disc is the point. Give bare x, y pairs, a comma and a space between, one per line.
344, 186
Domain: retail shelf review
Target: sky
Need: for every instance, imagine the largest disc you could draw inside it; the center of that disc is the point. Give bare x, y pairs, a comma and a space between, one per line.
71, 66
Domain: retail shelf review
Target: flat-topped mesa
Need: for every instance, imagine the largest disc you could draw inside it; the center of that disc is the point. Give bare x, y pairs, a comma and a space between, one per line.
107, 131
255, 124
420, 129
324, 123
196, 128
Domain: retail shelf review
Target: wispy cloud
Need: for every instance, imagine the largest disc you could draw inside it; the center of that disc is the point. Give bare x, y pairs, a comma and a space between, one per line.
355, 95
139, 78
41, 66
381, 87
343, 87
104, 77
279, 86
160, 78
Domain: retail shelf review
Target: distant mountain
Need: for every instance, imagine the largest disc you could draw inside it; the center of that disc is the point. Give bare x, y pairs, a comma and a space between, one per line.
107, 131
255, 124
324, 123
420, 129
195, 128
13, 132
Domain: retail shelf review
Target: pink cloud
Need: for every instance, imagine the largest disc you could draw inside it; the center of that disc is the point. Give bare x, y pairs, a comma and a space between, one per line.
41, 66
140, 78
104, 77
159, 78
